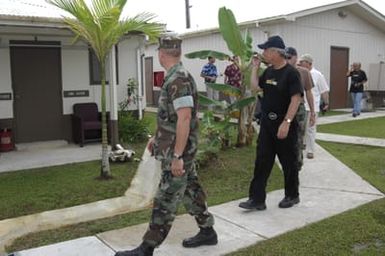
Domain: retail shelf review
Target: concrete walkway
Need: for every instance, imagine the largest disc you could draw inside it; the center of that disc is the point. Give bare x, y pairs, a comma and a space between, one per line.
328, 187
43, 154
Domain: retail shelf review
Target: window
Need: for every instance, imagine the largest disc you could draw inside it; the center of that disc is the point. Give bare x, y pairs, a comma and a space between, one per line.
95, 67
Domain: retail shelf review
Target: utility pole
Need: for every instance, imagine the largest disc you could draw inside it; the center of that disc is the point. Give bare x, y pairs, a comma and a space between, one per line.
188, 6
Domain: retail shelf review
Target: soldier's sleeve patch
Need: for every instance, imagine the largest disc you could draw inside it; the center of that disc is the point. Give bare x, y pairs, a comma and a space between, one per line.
183, 102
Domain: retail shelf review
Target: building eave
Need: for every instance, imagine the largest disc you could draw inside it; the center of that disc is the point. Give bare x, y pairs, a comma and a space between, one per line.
358, 7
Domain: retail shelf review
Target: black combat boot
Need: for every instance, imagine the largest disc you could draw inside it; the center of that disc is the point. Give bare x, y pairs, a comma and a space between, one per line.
206, 236
142, 250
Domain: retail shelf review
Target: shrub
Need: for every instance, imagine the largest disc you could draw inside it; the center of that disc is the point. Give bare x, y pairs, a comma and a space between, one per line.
131, 129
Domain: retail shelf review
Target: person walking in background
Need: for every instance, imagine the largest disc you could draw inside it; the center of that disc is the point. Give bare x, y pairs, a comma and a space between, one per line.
320, 90
302, 118
175, 145
233, 75
209, 73
278, 135
357, 80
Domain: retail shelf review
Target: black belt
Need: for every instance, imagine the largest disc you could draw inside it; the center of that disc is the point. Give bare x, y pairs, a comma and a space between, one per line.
273, 116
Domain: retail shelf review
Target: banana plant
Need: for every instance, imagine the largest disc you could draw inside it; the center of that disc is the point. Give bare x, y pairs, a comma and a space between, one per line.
241, 46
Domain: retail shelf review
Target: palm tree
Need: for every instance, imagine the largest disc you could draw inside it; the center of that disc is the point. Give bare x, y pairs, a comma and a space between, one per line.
100, 25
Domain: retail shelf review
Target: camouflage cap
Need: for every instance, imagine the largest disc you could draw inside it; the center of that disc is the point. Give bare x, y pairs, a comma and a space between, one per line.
170, 41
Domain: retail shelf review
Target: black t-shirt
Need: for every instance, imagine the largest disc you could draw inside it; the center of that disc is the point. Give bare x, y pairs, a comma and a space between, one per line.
279, 85
357, 79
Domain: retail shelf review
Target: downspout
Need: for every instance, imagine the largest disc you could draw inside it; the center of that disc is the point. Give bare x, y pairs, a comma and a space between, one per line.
139, 65
113, 124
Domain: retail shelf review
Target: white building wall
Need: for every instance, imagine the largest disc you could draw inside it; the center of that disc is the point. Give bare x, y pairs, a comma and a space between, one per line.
128, 65
75, 76
75, 71
316, 34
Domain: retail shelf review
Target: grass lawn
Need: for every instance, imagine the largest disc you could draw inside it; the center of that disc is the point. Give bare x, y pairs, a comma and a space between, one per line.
224, 180
63, 186
357, 232
48, 188
31, 191
360, 231
372, 128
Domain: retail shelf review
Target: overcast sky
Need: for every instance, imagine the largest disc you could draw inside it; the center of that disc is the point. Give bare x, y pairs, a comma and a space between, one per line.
204, 12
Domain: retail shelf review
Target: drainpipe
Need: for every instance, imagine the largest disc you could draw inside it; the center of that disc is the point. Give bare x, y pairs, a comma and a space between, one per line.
139, 65
113, 126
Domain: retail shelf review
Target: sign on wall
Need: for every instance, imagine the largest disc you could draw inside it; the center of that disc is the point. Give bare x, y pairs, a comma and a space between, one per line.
6, 96
76, 93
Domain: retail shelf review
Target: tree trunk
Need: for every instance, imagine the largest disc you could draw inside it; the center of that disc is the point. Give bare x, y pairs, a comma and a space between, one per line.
249, 125
242, 131
105, 168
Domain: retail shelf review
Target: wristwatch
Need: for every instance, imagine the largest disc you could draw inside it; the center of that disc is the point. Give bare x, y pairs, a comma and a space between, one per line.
288, 120
176, 156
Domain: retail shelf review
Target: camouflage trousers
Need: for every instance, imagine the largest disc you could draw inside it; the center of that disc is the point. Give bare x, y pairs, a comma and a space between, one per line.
171, 192
301, 117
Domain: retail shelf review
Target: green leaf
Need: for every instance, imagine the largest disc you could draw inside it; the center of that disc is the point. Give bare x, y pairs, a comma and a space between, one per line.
230, 32
225, 88
239, 104
204, 54
249, 47
203, 100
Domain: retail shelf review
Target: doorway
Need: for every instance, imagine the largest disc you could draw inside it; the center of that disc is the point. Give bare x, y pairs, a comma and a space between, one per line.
339, 65
149, 78
36, 82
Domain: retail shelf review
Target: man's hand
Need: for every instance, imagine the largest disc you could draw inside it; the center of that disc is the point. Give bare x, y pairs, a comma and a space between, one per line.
256, 62
325, 107
177, 167
283, 130
150, 144
312, 119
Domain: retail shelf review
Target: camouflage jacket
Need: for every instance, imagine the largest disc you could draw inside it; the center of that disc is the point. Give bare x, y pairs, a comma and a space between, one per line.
179, 90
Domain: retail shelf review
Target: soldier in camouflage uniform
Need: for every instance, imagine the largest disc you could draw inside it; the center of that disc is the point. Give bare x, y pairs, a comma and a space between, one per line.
301, 116
175, 145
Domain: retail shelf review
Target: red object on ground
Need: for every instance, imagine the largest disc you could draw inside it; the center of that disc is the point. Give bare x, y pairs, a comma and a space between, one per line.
6, 140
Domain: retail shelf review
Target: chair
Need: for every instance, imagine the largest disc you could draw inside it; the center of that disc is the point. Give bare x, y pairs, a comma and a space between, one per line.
86, 123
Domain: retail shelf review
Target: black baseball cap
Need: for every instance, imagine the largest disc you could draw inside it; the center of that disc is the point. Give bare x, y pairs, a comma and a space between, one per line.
291, 51
273, 42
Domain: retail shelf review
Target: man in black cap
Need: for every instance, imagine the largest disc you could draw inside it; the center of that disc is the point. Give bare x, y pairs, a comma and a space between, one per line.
175, 145
282, 92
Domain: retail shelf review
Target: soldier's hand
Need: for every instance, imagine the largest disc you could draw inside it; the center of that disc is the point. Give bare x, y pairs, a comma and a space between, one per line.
150, 144
177, 167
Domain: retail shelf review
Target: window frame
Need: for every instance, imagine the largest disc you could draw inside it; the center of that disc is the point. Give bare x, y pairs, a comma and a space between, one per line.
94, 62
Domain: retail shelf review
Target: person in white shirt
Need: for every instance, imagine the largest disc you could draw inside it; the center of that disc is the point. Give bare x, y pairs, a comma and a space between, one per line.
320, 90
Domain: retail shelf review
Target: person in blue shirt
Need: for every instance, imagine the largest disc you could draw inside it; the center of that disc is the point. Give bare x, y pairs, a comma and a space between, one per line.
209, 73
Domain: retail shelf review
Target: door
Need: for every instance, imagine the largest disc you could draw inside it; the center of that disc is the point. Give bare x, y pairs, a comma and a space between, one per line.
36, 81
339, 65
149, 78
